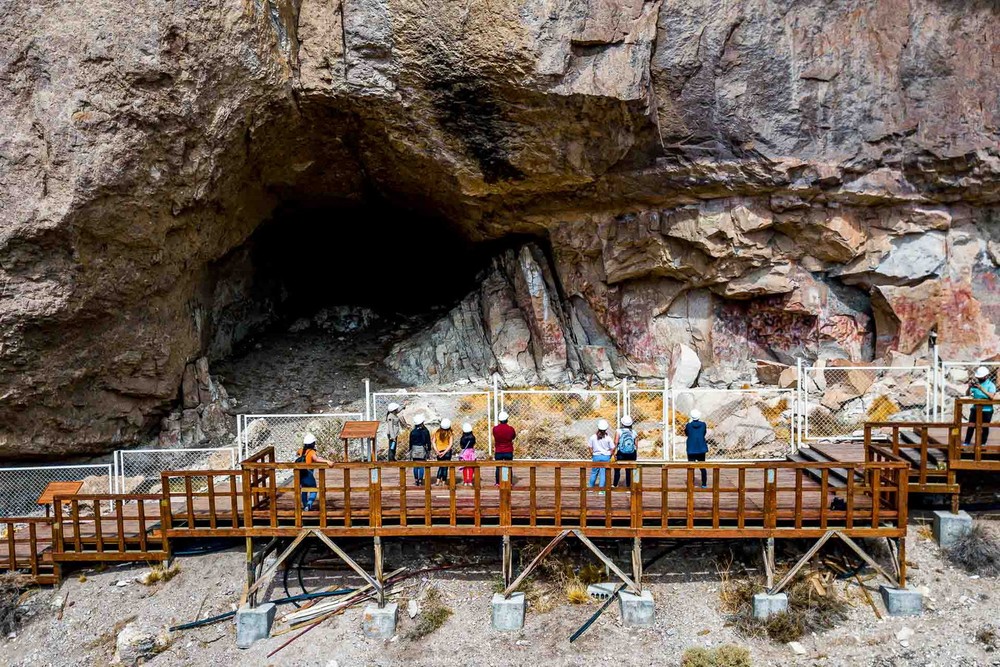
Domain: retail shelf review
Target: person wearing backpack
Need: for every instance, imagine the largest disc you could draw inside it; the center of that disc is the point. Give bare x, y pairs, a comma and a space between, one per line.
307, 476
420, 447
625, 449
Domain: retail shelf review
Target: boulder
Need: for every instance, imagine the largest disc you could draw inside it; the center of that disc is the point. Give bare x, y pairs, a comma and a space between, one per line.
769, 372
836, 395
138, 642
189, 387
684, 367
789, 378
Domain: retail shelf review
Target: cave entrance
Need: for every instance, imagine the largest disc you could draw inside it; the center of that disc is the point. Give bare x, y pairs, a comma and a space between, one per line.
326, 287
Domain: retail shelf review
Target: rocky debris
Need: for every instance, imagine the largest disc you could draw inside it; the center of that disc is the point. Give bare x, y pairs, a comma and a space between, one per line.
137, 643
208, 420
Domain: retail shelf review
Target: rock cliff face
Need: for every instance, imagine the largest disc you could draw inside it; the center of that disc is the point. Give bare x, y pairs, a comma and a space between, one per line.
733, 179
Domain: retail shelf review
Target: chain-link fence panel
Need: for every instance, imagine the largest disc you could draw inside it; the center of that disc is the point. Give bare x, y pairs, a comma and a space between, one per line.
555, 424
139, 470
461, 407
838, 400
647, 408
20, 488
954, 380
285, 433
741, 423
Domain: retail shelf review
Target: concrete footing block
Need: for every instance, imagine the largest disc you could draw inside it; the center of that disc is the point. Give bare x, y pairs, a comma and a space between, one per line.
949, 528
602, 591
508, 613
253, 624
380, 622
636, 610
765, 606
902, 601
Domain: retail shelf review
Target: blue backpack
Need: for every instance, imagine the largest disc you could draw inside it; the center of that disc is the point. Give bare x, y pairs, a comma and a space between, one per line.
626, 441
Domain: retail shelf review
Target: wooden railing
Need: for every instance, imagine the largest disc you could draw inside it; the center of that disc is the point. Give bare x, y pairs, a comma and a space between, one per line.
23, 543
203, 499
97, 527
979, 454
542, 498
927, 456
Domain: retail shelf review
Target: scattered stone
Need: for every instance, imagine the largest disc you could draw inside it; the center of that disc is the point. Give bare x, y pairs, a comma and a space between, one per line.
797, 648
412, 608
138, 643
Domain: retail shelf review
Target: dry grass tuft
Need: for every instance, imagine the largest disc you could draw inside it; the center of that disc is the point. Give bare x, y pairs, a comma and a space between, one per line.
433, 614
727, 655
158, 573
926, 532
977, 552
576, 592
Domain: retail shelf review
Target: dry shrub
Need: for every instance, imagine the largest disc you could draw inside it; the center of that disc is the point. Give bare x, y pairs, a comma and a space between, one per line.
12, 587
977, 552
556, 579
433, 613
727, 655
576, 592
988, 637
808, 611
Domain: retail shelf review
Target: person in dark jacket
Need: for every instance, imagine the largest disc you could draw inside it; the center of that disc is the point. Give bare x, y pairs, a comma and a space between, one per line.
697, 445
420, 447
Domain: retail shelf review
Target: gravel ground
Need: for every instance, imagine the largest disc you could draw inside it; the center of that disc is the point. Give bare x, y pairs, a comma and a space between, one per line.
685, 585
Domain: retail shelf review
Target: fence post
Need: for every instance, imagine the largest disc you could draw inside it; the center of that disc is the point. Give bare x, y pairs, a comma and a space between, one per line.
800, 407
368, 399
625, 397
668, 431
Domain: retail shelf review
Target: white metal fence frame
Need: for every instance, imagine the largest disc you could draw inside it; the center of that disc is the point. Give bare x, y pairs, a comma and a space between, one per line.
644, 423
810, 402
19, 495
965, 369
764, 394
194, 458
377, 404
506, 399
291, 426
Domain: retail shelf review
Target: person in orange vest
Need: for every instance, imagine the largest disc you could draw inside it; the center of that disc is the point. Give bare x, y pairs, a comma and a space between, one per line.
307, 476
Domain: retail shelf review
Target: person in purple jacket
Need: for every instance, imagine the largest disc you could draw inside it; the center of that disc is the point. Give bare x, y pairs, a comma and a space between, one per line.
697, 444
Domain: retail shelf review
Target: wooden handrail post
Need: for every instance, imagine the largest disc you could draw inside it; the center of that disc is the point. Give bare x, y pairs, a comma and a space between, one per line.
770, 496
375, 504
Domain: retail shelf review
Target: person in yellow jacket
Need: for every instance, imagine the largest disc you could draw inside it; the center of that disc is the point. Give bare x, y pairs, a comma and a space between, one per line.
443, 448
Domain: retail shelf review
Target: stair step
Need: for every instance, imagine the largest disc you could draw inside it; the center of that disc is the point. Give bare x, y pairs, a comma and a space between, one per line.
913, 438
836, 478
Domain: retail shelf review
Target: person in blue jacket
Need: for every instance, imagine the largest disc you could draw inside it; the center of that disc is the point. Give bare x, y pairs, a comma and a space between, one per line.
697, 445
981, 389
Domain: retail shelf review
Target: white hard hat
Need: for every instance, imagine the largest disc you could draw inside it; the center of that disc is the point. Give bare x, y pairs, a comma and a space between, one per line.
503, 416
982, 373
309, 439
696, 414
446, 423
626, 421
466, 427
418, 420
602, 425
392, 407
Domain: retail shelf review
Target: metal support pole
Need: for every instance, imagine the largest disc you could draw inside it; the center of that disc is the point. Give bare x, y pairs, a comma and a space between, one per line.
769, 561
637, 562
368, 399
507, 563
250, 573
380, 571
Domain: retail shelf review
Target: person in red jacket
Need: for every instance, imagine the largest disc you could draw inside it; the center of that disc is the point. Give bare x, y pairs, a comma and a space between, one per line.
503, 442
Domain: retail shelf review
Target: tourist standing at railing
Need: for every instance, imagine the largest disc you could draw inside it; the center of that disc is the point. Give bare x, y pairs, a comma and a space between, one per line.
625, 449
394, 424
697, 443
601, 445
443, 448
981, 389
420, 446
307, 477
503, 442
468, 453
